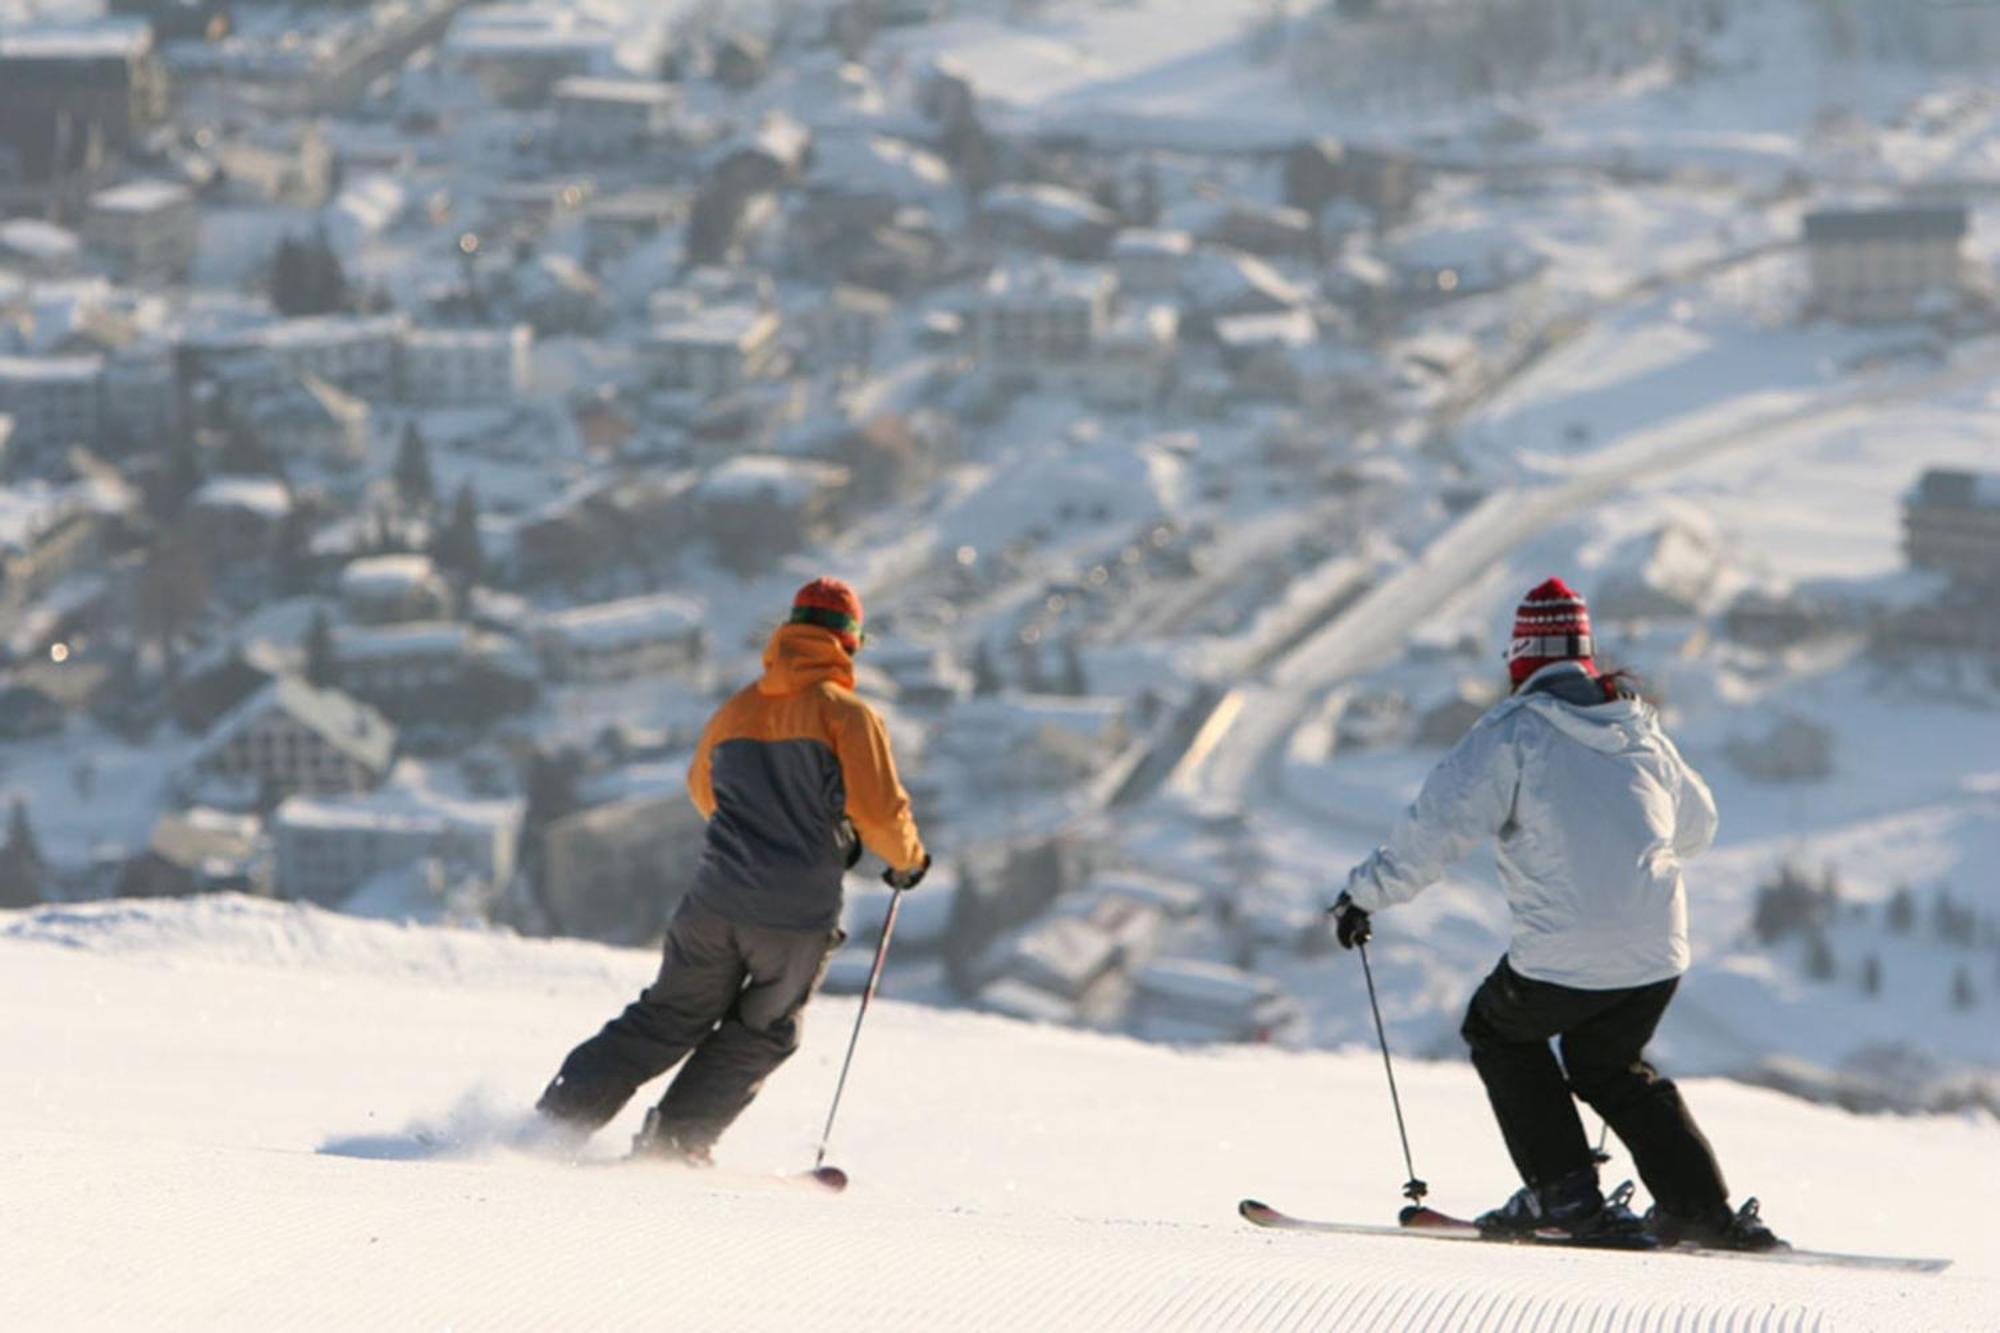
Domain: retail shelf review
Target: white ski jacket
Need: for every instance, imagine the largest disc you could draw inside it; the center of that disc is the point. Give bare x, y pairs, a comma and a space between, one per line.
1594, 810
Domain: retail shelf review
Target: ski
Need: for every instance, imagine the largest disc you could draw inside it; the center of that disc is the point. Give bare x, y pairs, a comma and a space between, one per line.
1429, 1223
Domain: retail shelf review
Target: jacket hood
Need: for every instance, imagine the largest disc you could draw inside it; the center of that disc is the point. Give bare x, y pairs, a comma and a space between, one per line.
1616, 724
799, 656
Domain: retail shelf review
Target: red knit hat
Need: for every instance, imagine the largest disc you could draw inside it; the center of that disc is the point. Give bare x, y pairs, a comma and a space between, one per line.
831, 604
1552, 624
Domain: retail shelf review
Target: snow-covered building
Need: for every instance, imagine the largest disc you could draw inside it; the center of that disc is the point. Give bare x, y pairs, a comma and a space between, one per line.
609, 872
1886, 263
289, 738
46, 536
39, 249
535, 206
519, 52
1184, 1000
715, 351
363, 210
55, 401
198, 851
757, 508
616, 224
469, 367
141, 397
283, 164
611, 642
1047, 218
238, 517
74, 97
1040, 319
356, 353
434, 673
328, 846
1132, 362
1951, 523
144, 231
1151, 262
601, 118
385, 589
842, 327
311, 420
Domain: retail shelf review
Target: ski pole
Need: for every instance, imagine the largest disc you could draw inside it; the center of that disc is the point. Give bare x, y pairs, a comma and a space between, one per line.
1413, 1188
874, 977
1598, 1155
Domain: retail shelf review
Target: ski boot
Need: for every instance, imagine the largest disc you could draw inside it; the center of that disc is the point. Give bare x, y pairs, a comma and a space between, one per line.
1717, 1229
656, 1142
1572, 1205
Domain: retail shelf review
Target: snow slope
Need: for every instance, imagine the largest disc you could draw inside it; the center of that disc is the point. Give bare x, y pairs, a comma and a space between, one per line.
216, 1106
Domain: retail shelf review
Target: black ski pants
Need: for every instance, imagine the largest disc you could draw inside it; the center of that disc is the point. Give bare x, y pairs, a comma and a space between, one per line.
729, 993
1603, 1036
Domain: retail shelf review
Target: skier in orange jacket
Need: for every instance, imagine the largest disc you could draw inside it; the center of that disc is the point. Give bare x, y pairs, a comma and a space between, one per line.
794, 775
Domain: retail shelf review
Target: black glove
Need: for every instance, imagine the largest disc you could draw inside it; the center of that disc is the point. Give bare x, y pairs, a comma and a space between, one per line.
1350, 923
907, 879
851, 840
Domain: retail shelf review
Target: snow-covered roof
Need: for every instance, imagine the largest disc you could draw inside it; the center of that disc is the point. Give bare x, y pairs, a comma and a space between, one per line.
265, 496
39, 240
782, 138
718, 326
762, 477
1063, 954
1050, 207
343, 722
628, 620
428, 638
1284, 328
387, 575
468, 339
50, 369
872, 163
1049, 279
1193, 982
631, 92
400, 809
108, 40
1151, 243
143, 196
1217, 277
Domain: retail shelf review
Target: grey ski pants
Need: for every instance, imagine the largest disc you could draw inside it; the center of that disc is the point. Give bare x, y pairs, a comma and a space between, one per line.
729, 999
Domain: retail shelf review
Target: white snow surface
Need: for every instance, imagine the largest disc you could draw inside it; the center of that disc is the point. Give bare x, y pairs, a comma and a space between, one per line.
232, 1113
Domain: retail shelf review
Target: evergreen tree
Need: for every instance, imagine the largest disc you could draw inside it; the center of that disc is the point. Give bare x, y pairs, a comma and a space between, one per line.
415, 484
287, 292
457, 548
291, 556
322, 662
21, 867
985, 671
1962, 995
181, 475
1902, 910
1075, 680
1871, 975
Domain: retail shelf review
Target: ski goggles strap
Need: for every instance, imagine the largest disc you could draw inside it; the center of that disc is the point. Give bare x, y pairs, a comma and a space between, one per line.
827, 618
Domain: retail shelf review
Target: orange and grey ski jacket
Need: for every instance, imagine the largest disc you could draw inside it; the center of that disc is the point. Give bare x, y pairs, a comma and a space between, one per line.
777, 768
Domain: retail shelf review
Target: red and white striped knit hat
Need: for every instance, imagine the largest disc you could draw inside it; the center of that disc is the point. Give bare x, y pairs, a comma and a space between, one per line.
1552, 624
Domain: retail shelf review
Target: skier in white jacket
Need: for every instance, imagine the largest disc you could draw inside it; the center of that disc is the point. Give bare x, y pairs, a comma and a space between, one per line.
1594, 811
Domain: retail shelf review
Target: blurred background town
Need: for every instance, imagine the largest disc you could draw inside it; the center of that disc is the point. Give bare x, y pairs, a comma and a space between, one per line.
415, 414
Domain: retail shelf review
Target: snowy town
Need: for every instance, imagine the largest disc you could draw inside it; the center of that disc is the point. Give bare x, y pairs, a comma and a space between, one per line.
414, 421
417, 415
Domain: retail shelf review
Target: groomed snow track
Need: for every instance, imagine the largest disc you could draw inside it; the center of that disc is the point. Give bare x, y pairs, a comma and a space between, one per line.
221, 1115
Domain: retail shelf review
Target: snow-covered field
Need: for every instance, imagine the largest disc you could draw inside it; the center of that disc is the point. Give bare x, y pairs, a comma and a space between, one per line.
216, 1106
